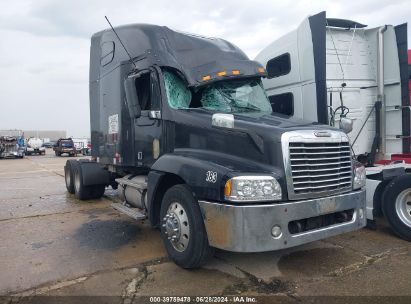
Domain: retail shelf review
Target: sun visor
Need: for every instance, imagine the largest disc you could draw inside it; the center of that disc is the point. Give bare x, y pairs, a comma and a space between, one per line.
225, 69
204, 59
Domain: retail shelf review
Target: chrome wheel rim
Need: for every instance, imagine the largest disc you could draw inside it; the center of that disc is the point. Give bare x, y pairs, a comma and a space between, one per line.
403, 207
176, 226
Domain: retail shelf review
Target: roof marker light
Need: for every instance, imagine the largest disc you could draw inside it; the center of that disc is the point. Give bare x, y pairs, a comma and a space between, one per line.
205, 78
222, 73
236, 72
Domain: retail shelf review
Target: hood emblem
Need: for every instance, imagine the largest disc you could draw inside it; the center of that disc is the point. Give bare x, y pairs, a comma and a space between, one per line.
322, 134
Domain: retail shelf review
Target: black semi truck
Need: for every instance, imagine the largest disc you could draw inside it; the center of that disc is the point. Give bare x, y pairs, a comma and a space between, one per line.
182, 127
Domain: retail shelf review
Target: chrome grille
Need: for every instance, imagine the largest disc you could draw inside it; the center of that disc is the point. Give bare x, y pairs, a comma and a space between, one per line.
320, 166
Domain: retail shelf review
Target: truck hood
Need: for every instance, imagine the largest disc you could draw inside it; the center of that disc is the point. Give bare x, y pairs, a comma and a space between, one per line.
261, 123
254, 137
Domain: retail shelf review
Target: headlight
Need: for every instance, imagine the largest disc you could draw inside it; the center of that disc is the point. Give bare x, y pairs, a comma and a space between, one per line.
359, 176
252, 188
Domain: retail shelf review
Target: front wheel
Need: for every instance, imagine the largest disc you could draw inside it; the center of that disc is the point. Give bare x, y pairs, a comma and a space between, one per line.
182, 228
396, 205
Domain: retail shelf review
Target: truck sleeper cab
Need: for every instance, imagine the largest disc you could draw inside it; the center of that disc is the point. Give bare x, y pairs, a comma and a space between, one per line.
186, 134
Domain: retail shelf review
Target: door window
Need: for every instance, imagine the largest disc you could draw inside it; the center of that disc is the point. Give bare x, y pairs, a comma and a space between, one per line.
148, 92
279, 66
283, 103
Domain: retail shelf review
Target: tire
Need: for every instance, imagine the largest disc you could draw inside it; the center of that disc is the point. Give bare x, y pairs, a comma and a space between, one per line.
190, 249
97, 191
69, 175
396, 205
80, 191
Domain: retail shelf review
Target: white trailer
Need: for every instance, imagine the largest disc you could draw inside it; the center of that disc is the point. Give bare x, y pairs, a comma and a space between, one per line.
340, 72
80, 144
35, 146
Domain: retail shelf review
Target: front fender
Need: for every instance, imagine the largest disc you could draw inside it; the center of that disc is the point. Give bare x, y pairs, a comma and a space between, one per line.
204, 177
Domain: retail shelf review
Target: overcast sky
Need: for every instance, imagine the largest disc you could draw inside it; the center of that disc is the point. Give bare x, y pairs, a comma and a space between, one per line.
44, 48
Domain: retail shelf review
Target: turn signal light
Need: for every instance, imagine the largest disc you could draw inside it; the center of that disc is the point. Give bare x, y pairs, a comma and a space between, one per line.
227, 189
261, 70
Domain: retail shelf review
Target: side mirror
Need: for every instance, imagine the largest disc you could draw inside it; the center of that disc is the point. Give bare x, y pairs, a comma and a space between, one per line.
346, 124
132, 98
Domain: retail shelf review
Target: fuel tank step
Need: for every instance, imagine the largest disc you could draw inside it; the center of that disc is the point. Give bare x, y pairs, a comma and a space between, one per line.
138, 182
135, 213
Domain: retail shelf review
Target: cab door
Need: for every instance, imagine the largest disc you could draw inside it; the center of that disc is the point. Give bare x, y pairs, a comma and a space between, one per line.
148, 126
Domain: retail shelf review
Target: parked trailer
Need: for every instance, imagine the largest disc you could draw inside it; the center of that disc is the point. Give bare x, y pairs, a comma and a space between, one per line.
34, 145
337, 71
187, 134
9, 147
11, 144
80, 144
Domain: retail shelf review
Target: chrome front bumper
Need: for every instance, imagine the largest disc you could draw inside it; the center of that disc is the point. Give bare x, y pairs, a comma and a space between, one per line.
247, 228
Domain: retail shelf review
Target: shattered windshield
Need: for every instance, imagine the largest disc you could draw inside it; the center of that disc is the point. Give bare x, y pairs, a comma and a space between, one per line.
236, 97
178, 95
231, 96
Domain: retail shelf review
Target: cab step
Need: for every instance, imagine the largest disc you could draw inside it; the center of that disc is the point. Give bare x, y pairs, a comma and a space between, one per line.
135, 213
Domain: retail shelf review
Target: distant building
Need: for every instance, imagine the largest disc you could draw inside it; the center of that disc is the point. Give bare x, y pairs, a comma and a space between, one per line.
51, 135
14, 132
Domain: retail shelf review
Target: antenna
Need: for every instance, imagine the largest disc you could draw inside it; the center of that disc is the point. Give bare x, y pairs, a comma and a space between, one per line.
131, 59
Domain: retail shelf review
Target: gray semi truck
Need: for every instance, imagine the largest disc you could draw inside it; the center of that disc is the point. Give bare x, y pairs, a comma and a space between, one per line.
182, 127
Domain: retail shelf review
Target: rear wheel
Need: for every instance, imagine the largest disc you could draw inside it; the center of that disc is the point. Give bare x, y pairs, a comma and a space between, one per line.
396, 205
97, 191
69, 175
81, 191
182, 228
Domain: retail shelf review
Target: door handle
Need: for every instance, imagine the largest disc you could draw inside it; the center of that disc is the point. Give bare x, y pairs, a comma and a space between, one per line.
154, 114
